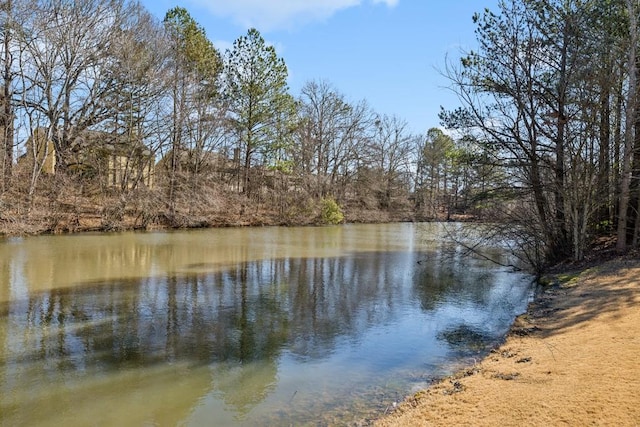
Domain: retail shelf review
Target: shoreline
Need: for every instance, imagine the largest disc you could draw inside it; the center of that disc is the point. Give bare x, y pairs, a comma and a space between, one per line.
570, 359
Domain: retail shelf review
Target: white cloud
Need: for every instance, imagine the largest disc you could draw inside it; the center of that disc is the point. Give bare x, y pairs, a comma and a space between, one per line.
390, 3
267, 15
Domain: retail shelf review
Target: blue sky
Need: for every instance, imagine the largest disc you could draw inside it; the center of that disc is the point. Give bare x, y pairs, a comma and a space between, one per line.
389, 52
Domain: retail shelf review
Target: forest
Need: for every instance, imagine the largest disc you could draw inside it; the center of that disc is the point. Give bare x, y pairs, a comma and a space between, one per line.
111, 119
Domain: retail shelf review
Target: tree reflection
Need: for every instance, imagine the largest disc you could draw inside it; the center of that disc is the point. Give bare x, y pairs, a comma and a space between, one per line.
236, 321
243, 386
447, 274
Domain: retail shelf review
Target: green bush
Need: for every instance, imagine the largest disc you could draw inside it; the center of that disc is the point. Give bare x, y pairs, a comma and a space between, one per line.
331, 212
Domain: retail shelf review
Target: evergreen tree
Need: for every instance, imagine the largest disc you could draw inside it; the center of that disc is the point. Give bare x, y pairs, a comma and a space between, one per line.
258, 102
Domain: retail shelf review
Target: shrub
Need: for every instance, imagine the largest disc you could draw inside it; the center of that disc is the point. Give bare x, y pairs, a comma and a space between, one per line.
331, 212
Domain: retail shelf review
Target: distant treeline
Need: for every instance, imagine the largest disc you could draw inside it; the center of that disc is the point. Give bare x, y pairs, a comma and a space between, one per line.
109, 114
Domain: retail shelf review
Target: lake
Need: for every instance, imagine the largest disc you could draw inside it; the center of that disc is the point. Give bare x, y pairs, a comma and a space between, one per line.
241, 326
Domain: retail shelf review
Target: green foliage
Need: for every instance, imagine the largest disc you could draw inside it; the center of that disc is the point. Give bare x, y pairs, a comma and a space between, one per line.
197, 51
331, 212
260, 109
284, 166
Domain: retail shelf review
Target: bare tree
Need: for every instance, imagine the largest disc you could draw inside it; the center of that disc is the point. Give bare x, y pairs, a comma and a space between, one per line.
390, 155
136, 67
196, 65
6, 97
67, 45
529, 92
332, 138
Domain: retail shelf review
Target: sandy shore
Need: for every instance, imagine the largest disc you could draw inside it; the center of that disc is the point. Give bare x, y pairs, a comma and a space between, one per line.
572, 360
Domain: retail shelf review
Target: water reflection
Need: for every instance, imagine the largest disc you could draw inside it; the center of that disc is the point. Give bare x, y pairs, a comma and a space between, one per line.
296, 326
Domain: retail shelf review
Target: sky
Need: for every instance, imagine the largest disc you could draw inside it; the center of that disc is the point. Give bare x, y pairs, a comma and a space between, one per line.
391, 53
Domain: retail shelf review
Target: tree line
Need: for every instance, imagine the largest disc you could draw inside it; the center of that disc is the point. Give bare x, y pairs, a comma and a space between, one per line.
111, 112
107, 111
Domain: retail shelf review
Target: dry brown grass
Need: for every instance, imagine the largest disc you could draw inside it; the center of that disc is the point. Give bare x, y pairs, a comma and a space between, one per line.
571, 361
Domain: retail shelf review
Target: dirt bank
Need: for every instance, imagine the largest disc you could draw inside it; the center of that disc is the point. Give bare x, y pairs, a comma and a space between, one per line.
572, 360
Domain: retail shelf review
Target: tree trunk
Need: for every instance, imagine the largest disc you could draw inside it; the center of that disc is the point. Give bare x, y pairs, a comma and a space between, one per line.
629, 137
561, 239
6, 111
634, 185
604, 157
617, 144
